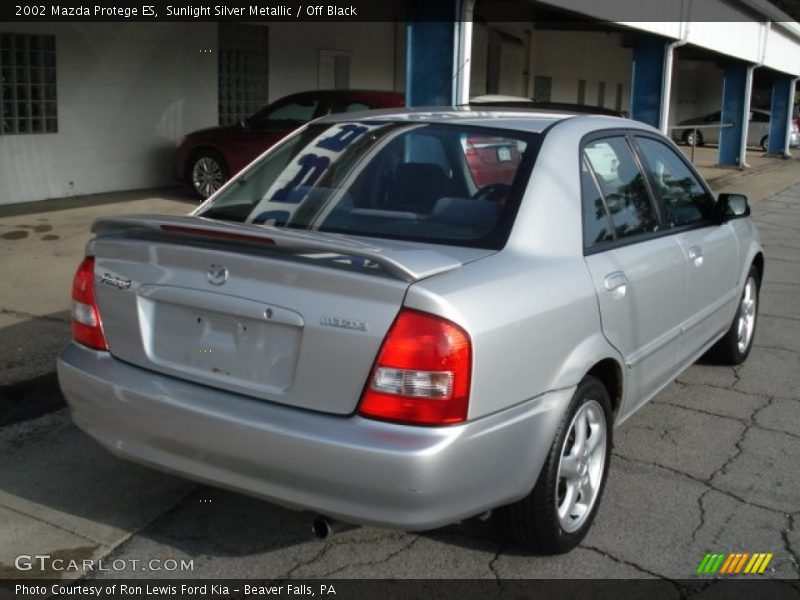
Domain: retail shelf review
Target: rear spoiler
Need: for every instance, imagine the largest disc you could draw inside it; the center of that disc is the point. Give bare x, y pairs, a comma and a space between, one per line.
404, 264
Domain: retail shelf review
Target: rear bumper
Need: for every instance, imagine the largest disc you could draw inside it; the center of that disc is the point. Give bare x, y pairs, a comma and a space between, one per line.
349, 468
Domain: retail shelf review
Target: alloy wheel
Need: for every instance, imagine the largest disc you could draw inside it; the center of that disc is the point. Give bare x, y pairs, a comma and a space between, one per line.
747, 315
207, 176
580, 470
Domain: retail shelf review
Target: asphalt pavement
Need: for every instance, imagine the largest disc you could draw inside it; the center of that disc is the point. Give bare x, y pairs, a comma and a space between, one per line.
709, 465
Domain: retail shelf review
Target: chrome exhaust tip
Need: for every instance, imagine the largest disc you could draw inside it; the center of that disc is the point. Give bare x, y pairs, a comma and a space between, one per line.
323, 528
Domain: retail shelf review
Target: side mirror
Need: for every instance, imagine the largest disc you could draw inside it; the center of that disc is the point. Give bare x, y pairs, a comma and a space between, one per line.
733, 206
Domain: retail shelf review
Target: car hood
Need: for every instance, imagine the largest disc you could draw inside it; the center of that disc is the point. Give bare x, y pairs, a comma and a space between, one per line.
219, 130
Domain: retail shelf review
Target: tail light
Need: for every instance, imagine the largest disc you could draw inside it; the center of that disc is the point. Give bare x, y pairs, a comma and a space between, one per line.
422, 373
87, 328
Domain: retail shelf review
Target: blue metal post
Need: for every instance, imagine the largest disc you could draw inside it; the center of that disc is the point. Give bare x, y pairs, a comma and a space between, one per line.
780, 114
430, 52
647, 79
735, 96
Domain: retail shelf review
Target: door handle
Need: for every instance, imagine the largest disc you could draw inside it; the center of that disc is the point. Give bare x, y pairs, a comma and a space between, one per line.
696, 255
616, 283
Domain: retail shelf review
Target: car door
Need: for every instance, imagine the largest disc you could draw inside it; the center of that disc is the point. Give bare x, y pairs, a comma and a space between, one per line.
710, 247
639, 273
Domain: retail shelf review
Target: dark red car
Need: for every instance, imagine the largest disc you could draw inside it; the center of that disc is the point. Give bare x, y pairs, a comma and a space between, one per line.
492, 160
207, 158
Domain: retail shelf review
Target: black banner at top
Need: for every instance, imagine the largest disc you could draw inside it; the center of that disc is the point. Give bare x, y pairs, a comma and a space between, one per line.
407, 589
392, 10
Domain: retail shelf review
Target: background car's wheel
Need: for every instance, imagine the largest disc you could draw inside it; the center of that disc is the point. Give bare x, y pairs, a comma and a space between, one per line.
735, 345
556, 515
207, 172
764, 143
689, 136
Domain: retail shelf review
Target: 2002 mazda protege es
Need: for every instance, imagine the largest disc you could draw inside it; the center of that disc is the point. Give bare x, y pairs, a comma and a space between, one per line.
352, 326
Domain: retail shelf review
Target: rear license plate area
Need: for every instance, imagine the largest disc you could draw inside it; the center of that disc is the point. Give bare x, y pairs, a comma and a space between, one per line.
221, 347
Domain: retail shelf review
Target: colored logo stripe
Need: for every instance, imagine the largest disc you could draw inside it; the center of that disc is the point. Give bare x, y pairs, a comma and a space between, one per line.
737, 564
711, 563
734, 563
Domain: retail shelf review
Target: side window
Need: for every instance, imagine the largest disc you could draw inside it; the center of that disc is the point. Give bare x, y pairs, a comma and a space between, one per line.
597, 226
686, 201
296, 111
622, 186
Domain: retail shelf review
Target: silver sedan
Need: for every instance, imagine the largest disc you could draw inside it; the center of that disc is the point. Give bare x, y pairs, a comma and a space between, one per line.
354, 327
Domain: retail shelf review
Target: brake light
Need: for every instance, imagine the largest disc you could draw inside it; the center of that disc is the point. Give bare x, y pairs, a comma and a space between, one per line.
422, 373
87, 329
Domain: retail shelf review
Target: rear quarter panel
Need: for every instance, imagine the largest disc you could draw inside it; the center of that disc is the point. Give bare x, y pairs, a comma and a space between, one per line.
534, 324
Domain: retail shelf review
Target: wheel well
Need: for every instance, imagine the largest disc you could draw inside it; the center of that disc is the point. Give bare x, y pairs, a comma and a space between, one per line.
758, 263
610, 374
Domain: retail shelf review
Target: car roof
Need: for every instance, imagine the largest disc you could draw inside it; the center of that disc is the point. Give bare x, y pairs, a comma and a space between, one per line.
521, 119
497, 100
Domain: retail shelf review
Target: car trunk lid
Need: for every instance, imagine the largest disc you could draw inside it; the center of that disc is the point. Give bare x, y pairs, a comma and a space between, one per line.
292, 317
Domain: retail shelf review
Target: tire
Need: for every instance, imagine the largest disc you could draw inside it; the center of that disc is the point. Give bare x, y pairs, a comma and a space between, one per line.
764, 143
535, 521
207, 172
734, 347
687, 138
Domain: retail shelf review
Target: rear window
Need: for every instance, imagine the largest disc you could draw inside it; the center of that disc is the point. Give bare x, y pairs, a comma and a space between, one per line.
434, 183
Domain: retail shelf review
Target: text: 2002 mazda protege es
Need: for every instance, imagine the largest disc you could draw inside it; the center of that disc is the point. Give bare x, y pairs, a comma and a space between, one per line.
352, 326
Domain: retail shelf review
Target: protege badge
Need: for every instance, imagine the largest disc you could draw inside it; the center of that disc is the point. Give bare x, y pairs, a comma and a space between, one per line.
343, 323
114, 281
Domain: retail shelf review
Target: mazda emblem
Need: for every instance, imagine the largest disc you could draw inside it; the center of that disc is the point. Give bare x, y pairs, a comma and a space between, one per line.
217, 274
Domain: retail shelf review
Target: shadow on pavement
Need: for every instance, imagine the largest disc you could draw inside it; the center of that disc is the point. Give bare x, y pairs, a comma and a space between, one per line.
28, 385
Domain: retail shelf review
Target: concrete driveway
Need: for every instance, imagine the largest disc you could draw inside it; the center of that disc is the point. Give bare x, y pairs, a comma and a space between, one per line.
709, 465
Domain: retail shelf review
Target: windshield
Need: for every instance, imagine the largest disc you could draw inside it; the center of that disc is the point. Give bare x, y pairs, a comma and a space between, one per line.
437, 183
287, 114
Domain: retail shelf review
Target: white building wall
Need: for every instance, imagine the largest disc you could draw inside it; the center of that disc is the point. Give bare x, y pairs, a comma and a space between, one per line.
696, 90
294, 54
739, 39
730, 28
126, 94
782, 51
569, 56
565, 56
